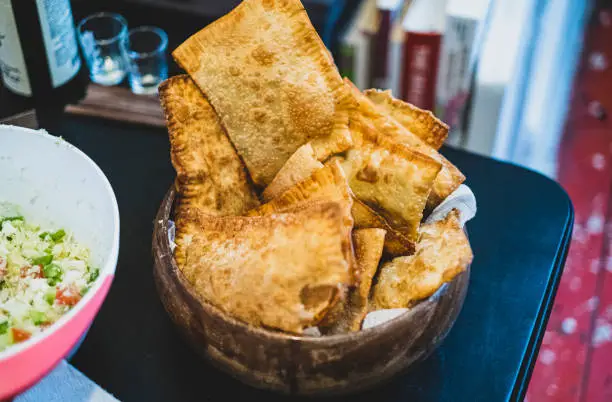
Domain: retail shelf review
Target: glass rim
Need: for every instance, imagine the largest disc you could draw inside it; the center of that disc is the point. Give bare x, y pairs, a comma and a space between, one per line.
160, 48
105, 14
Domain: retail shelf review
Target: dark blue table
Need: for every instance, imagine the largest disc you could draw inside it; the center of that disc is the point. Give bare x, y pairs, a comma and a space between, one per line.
520, 238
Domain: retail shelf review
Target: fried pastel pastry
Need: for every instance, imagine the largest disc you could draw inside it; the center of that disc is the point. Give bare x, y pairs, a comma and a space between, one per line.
348, 315
368, 124
297, 168
326, 184
210, 175
302, 164
419, 122
267, 73
443, 251
396, 242
281, 271
394, 181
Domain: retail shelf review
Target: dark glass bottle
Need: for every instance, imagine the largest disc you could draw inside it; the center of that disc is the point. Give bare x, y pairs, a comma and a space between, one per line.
39, 56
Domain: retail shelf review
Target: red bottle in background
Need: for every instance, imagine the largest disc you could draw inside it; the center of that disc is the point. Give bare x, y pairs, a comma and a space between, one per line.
421, 55
423, 28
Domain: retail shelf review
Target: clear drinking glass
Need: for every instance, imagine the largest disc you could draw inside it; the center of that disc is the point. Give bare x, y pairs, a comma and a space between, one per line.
144, 49
100, 36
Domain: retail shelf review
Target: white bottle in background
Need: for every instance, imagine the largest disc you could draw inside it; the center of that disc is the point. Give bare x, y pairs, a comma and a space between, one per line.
464, 21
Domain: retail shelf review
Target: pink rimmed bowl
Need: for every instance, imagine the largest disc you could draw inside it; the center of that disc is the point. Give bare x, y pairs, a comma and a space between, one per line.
56, 184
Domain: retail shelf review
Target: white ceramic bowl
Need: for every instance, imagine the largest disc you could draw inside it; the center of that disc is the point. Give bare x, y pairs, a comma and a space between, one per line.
55, 183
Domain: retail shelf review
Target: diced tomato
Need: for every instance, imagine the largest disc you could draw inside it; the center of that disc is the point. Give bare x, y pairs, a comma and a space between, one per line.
20, 335
67, 296
45, 324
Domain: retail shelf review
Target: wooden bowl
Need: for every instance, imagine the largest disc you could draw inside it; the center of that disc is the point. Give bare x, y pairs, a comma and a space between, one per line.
300, 365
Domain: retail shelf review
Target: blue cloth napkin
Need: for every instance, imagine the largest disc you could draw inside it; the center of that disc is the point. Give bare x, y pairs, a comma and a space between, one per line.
65, 384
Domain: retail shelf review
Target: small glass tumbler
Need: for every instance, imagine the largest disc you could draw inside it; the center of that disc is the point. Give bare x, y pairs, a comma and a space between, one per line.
144, 49
100, 36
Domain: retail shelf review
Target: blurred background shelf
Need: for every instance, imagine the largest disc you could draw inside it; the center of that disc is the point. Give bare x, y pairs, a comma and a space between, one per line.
119, 103
512, 61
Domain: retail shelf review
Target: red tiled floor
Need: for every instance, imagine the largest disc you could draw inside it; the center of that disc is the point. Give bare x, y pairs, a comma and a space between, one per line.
575, 360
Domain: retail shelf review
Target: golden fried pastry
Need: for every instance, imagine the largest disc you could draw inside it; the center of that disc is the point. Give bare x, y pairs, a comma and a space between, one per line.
348, 316
368, 124
273, 83
297, 168
443, 251
302, 164
396, 242
281, 271
326, 184
419, 122
393, 181
211, 176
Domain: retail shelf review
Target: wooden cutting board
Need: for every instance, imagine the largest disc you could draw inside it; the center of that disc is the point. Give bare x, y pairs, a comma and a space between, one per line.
119, 103
25, 119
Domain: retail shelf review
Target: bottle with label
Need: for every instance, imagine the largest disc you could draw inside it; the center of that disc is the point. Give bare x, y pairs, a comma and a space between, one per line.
39, 56
423, 28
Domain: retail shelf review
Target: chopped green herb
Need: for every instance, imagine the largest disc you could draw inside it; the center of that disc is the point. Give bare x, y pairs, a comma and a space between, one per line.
4, 327
44, 260
38, 317
50, 297
59, 235
84, 290
53, 273
11, 218
93, 275
43, 235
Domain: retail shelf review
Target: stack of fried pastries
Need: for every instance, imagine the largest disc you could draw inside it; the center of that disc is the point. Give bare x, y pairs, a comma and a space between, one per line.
300, 198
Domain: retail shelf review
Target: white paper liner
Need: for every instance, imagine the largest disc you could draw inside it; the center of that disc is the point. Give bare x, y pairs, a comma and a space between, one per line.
312, 331
171, 235
461, 199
